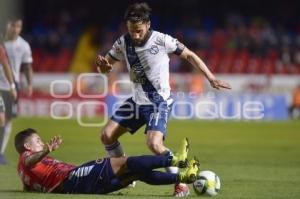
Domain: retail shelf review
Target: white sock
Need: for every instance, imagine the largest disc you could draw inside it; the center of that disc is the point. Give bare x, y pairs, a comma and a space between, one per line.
115, 149
172, 170
7, 131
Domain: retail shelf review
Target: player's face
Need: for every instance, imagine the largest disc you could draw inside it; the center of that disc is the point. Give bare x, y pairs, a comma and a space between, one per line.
34, 143
138, 31
14, 28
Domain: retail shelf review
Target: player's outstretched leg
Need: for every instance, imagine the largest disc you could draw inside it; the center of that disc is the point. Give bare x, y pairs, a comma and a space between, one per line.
140, 164
180, 157
189, 175
162, 178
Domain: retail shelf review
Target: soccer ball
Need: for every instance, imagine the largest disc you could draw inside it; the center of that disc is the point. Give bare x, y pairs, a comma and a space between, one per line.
207, 183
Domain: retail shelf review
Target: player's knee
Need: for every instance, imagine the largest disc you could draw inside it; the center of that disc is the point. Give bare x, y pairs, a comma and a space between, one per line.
155, 147
106, 137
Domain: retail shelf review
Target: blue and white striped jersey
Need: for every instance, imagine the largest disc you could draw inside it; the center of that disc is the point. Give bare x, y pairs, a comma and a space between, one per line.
148, 65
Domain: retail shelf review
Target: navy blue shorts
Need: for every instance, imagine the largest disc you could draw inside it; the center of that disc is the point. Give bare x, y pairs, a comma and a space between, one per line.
133, 116
94, 177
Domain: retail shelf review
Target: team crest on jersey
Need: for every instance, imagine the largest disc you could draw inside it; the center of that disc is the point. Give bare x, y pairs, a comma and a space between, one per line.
118, 49
154, 50
137, 74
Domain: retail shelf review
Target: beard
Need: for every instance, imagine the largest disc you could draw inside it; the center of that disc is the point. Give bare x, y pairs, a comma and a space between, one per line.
138, 42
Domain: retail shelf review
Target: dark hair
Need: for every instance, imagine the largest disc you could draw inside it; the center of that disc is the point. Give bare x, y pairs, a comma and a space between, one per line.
138, 12
21, 137
13, 18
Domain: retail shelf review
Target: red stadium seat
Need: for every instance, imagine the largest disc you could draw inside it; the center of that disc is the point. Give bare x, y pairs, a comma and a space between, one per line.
37, 59
227, 61
63, 61
49, 63
241, 61
268, 66
272, 54
254, 65
213, 61
46, 62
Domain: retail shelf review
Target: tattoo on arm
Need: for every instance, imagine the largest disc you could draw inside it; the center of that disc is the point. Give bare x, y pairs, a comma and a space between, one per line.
27, 69
36, 157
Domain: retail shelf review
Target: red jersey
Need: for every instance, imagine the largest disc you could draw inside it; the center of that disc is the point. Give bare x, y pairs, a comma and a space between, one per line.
3, 56
45, 175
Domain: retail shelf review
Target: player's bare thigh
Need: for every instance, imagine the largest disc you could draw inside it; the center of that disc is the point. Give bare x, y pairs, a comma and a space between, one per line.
111, 132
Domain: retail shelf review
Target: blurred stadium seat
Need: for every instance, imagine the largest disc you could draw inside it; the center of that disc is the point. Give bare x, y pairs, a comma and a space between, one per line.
227, 42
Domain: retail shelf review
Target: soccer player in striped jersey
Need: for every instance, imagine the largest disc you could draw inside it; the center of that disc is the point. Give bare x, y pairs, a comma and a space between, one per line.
42, 173
20, 59
145, 52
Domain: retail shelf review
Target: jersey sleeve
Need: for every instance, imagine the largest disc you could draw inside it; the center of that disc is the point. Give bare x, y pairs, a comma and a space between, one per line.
27, 56
117, 50
3, 57
173, 45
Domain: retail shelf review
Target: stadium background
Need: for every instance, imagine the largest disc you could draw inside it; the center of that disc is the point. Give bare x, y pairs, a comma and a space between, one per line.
254, 45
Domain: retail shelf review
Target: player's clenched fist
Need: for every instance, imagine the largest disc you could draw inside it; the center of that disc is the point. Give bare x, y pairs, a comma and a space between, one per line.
103, 66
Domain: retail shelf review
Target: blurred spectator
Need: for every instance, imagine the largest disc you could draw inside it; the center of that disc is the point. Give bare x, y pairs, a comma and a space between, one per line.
65, 35
295, 107
85, 52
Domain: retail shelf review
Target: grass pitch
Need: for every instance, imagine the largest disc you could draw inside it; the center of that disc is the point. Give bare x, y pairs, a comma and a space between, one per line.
253, 159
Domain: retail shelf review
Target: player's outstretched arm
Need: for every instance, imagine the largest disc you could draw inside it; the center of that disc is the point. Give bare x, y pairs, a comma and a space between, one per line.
191, 57
35, 157
104, 64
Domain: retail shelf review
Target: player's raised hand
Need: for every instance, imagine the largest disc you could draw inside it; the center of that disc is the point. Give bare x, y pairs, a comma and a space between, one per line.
54, 143
103, 66
218, 84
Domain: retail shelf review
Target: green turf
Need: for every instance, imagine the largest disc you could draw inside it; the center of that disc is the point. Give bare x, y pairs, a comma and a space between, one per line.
253, 159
